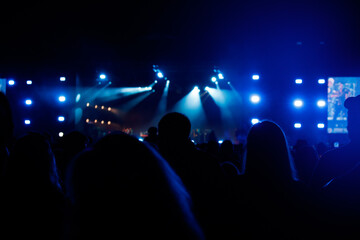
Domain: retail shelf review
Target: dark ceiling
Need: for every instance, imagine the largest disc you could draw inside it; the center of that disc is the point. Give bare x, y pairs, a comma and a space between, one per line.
181, 36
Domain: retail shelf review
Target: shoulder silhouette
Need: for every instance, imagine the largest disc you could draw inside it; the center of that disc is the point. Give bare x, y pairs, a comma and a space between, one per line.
122, 187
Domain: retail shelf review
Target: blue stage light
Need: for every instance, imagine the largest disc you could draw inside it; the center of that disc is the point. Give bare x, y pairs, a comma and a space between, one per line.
254, 121
196, 89
321, 103
28, 102
255, 77
160, 74
62, 99
255, 98
298, 81
321, 81
298, 103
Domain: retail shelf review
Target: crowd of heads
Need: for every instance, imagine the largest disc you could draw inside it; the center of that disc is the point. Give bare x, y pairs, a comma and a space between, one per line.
168, 187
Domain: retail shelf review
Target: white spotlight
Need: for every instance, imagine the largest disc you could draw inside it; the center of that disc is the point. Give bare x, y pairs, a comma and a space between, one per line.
28, 102
321, 81
62, 79
102, 76
255, 98
254, 121
160, 74
221, 76
213, 79
321, 103
297, 125
28, 82
27, 122
320, 125
255, 77
62, 99
298, 81
298, 103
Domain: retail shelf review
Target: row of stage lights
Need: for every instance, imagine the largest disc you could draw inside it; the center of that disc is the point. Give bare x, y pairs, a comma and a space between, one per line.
255, 99
99, 107
11, 82
296, 125
102, 122
29, 102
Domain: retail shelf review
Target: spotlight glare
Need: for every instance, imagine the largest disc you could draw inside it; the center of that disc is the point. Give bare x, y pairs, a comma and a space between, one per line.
11, 82
255, 98
254, 121
298, 103
27, 122
213, 79
102, 76
297, 125
28, 82
221, 76
160, 74
321, 81
255, 77
61, 134
28, 102
62, 79
321, 103
298, 81
321, 125
61, 118
62, 99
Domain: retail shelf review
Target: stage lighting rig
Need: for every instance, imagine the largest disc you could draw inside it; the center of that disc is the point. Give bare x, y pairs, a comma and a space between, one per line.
159, 74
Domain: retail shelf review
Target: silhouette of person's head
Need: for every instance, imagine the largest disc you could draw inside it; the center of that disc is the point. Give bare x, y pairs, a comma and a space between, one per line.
353, 106
226, 147
123, 187
152, 131
32, 163
174, 127
268, 154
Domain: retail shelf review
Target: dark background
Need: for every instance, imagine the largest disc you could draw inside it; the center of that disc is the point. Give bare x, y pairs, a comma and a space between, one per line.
280, 40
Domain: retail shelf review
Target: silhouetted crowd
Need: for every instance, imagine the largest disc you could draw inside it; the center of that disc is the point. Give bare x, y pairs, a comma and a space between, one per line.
168, 187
